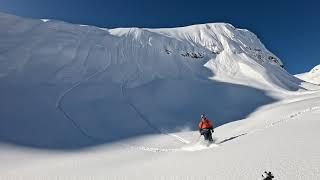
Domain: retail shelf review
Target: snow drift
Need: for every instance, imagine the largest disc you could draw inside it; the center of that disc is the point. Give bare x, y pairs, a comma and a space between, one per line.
69, 86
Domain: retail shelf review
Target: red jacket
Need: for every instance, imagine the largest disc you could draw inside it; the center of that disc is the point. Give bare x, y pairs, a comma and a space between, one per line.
205, 124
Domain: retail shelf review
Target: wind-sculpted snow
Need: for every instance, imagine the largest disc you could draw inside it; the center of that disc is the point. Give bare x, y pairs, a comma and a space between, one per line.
63, 52
68, 86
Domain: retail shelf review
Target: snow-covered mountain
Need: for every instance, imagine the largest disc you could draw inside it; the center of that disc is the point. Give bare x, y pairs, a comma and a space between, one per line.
313, 76
67, 85
69, 53
138, 93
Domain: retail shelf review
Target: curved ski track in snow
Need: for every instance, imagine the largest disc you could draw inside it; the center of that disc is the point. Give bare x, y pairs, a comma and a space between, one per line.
145, 119
61, 97
136, 110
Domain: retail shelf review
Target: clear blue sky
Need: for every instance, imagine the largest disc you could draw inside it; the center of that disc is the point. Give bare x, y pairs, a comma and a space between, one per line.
290, 29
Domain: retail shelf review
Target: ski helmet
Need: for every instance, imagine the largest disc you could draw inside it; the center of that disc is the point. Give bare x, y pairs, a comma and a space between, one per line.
203, 116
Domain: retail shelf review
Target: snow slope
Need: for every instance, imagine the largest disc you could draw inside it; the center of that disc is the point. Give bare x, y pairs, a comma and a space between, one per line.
281, 138
313, 76
72, 83
86, 102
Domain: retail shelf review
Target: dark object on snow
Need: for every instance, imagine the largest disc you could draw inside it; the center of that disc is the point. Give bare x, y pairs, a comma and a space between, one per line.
207, 134
267, 175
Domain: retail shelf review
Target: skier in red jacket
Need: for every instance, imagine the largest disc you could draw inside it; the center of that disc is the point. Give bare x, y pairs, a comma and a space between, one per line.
206, 128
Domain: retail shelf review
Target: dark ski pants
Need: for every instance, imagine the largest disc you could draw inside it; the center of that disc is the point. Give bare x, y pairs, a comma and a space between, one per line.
207, 134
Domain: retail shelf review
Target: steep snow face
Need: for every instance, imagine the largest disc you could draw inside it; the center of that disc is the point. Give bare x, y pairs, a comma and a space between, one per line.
230, 54
69, 53
313, 76
65, 85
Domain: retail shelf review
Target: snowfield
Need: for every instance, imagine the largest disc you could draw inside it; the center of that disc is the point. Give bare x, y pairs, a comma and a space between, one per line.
82, 102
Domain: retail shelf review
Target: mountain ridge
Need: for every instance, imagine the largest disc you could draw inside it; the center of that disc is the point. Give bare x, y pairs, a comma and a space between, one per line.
204, 42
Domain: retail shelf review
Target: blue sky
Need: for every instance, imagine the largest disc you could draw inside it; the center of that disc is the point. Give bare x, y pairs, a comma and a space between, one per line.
290, 29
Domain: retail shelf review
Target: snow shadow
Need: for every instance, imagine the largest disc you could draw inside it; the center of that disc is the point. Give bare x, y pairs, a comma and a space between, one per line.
100, 112
231, 138
175, 105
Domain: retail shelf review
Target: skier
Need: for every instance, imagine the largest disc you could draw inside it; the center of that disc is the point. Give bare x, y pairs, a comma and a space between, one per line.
206, 128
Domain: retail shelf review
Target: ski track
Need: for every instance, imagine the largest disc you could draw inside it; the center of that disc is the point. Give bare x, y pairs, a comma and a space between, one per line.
288, 118
143, 117
136, 110
76, 85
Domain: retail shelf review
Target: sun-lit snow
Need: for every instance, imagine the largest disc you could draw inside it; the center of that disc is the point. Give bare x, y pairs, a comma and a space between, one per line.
86, 102
313, 76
